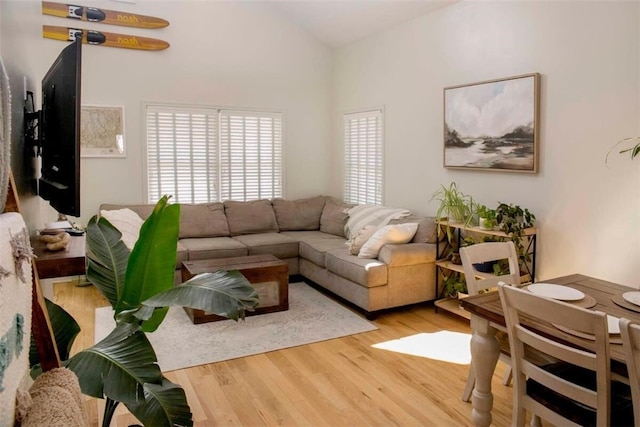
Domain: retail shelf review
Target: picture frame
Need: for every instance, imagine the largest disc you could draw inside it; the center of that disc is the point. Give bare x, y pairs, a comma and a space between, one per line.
493, 125
102, 131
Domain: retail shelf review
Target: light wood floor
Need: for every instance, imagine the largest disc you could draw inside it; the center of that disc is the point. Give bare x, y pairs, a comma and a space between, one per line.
341, 382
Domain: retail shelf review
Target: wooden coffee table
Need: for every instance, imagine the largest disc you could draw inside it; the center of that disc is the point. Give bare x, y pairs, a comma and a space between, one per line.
266, 273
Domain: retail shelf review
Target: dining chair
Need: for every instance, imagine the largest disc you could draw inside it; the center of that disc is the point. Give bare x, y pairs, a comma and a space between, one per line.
576, 390
478, 282
631, 343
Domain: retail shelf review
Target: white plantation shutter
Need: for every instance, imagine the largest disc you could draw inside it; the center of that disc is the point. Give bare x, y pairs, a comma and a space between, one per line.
363, 141
182, 154
250, 155
202, 155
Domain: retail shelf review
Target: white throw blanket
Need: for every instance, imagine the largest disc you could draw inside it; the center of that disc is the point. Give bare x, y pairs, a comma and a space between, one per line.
378, 216
15, 310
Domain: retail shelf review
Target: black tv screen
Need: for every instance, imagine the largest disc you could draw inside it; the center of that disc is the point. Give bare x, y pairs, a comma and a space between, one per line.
60, 132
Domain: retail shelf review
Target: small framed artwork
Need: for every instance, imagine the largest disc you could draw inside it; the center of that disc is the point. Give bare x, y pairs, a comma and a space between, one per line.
493, 125
102, 131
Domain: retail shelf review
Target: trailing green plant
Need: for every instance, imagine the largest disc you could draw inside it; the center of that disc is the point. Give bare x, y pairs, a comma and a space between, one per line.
122, 368
453, 284
513, 221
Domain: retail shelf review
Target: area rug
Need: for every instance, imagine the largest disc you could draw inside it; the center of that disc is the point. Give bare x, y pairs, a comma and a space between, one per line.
311, 317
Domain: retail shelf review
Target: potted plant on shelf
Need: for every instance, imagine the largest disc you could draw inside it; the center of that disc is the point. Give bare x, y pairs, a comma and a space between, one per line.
455, 207
486, 217
454, 286
513, 221
122, 368
454, 204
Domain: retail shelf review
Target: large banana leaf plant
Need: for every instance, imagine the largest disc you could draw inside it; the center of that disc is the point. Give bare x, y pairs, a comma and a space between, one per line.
122, 368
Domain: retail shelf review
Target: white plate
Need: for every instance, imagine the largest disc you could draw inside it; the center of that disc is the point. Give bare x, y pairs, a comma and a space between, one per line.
559, 292
632, 297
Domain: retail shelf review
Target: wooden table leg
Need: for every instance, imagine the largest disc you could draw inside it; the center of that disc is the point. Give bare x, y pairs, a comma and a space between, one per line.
485, 351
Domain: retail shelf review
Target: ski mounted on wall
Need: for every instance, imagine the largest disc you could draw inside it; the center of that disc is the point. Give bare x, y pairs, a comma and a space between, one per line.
102, 38
104, 16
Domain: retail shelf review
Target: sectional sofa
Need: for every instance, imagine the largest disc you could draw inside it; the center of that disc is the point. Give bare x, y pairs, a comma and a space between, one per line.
309, 235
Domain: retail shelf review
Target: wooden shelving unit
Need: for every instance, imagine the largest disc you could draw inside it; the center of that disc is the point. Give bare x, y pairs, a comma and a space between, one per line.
458, 268
452, 305
532, 231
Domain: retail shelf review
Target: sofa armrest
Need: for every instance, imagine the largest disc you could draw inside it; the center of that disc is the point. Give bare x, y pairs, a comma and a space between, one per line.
407, 254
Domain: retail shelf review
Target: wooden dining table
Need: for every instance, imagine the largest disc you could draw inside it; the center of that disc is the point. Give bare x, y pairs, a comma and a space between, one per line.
487, 318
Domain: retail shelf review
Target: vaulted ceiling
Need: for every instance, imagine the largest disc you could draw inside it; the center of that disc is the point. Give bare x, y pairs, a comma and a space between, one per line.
337, 23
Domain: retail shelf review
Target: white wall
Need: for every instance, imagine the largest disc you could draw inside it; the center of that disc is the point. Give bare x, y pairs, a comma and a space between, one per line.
588, 56
239, 54
230, 54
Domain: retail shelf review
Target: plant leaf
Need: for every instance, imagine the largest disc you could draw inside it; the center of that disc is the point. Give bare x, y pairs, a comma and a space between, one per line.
225, 293
117, 366
164, 405
65, 330
152, 262
107, 257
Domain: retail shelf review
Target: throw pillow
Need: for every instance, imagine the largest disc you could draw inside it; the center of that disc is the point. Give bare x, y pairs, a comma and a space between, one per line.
334, 216
144, 211
127, 222
301, 214
203, 220
427, 228
389, 234
252, 217
356, 242
362, 215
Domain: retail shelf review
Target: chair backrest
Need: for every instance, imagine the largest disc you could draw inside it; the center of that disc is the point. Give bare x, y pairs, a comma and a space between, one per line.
631, 342
486, 252
518, 304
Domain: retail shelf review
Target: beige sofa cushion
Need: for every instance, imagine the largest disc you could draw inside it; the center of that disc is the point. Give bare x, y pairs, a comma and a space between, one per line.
203, 220
301, 214
213, 247
315, 250
312, 235
252, 217
366, 272
314, 244
334, 216
276, 244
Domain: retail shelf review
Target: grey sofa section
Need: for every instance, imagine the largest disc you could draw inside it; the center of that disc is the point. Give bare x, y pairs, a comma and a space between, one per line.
402, 274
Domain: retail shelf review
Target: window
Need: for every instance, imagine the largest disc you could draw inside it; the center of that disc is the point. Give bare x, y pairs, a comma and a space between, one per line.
363, 142
250, 155
202, 155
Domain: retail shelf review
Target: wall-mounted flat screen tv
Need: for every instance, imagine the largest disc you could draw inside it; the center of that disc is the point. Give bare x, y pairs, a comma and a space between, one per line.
60, 132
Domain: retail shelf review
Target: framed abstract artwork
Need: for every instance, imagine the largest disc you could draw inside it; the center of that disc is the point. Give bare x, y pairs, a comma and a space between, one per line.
102, 131
493, 125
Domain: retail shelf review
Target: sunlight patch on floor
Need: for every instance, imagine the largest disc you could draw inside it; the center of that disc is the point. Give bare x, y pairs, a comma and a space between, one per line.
446, 346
